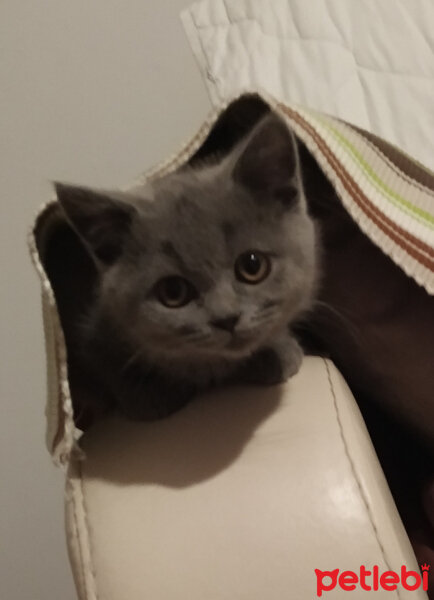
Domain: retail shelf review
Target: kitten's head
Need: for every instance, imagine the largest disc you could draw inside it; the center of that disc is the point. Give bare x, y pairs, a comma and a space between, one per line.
208, 262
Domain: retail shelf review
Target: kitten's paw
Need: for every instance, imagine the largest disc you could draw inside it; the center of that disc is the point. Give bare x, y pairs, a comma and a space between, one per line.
263, 368
291, 356
274, 364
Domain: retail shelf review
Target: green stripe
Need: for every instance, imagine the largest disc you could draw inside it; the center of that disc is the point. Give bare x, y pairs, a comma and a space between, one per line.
421, 215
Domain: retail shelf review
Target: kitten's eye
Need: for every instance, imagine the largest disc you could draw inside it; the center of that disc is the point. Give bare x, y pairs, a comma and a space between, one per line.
252, 267
174, 291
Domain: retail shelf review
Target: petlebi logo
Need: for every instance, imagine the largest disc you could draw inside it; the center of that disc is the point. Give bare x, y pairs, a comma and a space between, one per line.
371, 580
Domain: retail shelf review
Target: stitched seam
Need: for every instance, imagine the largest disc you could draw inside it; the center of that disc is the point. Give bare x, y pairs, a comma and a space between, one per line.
92, 570
354, 472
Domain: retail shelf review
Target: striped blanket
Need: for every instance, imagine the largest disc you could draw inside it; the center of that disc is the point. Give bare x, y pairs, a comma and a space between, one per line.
389, 195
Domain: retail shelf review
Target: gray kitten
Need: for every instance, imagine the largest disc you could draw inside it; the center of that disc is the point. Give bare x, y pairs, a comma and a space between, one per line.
200, 275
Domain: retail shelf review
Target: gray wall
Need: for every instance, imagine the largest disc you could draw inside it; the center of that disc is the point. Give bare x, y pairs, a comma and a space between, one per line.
90, 92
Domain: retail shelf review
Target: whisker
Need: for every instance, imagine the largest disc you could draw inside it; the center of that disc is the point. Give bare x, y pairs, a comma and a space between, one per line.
271, 303
265, 314
339, 317
131, 360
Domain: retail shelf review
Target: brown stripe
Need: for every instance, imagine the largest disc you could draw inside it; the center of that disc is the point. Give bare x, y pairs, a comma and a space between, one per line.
409, 167
396, 233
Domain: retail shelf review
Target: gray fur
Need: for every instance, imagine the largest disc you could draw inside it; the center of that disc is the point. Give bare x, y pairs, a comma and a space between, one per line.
194, 223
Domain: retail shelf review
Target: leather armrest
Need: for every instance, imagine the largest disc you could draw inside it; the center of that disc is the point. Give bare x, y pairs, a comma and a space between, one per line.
240, 496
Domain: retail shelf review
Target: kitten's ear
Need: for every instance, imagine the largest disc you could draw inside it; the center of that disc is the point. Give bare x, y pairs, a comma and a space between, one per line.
268, 165
100, 220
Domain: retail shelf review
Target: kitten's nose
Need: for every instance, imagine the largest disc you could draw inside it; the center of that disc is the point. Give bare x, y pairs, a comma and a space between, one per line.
228, 323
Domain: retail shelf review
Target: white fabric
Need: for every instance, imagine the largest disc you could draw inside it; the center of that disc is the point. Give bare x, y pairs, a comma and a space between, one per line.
368, 62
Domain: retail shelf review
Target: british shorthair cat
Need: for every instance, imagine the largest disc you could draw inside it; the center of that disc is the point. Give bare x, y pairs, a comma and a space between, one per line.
201, 274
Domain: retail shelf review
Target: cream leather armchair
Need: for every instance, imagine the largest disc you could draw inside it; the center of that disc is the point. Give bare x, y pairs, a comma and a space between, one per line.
240, 496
